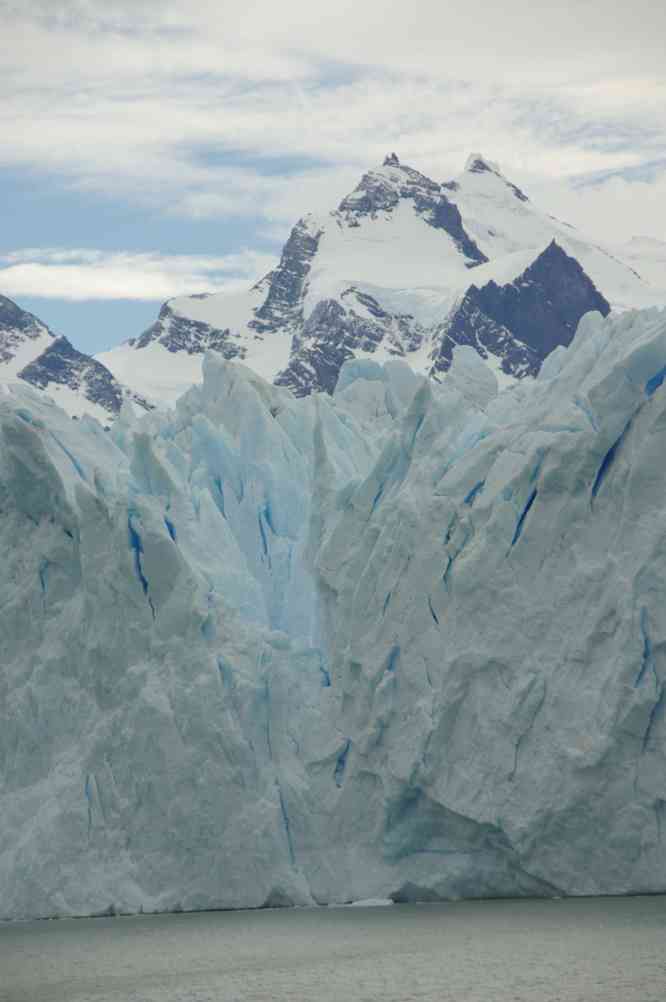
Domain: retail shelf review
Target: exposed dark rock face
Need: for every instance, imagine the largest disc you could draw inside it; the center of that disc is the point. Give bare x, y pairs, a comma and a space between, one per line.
470, 326
61, 363
543, 306
522, 322
380, 191
477, 165
16, 325
283, 306
334, 332
177, 333
58, 362
518, 324
444, 215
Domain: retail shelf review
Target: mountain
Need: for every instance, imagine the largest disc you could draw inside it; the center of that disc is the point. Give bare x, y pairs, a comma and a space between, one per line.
523, 321
32, 353
402, 641
405, 267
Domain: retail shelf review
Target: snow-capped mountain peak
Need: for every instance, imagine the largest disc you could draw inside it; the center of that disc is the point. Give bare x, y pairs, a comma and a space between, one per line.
478, 164
383, 192
380, 189
405, 266
484, 175
391, 160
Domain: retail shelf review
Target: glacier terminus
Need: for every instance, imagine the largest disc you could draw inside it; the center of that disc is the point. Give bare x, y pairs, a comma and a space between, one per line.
405, 639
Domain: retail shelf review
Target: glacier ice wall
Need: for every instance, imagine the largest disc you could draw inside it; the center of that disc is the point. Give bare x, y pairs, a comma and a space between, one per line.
408, 641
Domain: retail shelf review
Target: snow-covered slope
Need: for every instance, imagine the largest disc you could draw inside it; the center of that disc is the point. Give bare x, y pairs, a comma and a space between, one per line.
404, 641
32, 353
503, 221
166, 360
392, 273
648, 257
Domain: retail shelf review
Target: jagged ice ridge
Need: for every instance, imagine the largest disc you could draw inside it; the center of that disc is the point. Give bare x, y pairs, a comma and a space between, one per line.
406, 641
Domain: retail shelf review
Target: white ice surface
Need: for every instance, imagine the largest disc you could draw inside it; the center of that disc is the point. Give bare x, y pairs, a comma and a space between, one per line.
405, 642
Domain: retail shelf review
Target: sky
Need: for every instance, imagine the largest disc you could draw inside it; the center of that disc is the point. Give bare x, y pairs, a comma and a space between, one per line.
153, 149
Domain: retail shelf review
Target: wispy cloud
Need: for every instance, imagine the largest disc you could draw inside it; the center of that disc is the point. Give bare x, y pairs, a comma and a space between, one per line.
88, 273
199, 109
646, 172
613, 210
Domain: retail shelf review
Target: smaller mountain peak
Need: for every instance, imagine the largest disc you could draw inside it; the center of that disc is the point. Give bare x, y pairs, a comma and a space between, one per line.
555, 251
478, 164
391, 160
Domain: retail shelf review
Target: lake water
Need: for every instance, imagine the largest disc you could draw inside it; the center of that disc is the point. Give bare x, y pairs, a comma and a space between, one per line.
472, 951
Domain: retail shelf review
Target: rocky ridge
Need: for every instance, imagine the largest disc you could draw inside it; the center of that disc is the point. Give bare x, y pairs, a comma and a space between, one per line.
405, 267
32, 353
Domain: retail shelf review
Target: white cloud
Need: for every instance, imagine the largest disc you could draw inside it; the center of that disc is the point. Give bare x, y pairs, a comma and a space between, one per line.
148, 90
88, 273
613, 211
526, 39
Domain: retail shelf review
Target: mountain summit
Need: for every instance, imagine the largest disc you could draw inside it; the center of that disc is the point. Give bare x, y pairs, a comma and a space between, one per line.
405, 267
478, 164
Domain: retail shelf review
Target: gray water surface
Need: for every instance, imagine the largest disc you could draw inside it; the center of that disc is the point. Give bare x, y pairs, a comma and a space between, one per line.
472, 951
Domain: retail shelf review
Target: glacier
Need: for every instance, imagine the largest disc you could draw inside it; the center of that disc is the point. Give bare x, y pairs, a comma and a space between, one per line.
403, 642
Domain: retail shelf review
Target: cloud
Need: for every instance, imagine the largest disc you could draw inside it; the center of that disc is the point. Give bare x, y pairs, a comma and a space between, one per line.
88, 273
526, 39
200, 109
613, 211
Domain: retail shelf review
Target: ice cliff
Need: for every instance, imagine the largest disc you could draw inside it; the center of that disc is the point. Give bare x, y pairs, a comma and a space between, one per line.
406, 641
